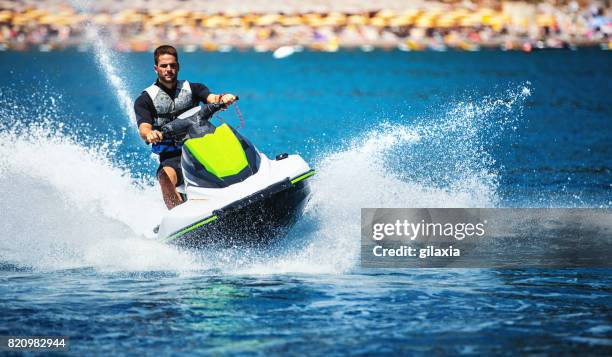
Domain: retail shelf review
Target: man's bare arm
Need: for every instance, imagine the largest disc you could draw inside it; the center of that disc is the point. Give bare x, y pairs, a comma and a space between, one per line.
148, 134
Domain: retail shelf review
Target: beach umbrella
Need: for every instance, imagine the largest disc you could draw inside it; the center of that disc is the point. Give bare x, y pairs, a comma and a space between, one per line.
179, 13
411, 13
401, 21
234, 22
497, 22
470, 21
424, 23
178, 21
427, 20
291, 21
357, 20
5, 16
249, 19
127, 17
461, 12
311, 18
215, 21
47, 20
267, 20
334, 19
65, 21
378, 21
35, 13
445, 22
20, 20
545, 20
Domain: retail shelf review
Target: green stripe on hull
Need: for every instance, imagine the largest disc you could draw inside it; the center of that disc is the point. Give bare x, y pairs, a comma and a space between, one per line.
213, 218
191, 228
302, 177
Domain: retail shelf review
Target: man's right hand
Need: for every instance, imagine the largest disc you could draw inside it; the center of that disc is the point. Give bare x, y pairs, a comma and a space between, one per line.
154, 136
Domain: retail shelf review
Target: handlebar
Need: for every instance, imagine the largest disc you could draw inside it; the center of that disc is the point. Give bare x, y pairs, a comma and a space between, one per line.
177, 129
208, 110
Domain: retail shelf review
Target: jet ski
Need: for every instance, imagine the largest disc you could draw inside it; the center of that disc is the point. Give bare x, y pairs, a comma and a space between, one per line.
233, 194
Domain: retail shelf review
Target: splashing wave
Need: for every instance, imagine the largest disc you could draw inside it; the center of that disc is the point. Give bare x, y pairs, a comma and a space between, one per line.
71, 206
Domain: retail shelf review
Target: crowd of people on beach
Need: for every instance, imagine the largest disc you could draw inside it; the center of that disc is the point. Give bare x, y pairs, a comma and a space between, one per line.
320, 25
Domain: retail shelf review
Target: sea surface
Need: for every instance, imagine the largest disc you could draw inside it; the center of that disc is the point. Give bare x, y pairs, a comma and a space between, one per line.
382, 129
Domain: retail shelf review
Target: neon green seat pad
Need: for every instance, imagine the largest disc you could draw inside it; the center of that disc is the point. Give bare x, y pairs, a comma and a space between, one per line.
220, 152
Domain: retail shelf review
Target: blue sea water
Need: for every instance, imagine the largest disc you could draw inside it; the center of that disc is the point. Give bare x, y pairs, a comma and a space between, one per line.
383, 129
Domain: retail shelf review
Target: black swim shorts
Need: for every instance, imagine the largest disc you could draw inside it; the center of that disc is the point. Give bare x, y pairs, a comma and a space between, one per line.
174, 161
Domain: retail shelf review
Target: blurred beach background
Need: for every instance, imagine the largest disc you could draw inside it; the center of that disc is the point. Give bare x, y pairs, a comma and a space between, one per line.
409, 25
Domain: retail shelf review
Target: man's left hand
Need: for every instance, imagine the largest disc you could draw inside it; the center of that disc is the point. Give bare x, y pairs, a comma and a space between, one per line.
227, 98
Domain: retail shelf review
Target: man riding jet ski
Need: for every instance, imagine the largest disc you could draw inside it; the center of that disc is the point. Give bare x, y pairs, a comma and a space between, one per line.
233, 193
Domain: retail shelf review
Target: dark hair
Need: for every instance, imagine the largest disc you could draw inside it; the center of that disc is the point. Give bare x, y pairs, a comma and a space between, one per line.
164, 50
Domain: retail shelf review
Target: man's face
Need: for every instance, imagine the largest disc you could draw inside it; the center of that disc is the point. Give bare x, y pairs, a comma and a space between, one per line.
167, 69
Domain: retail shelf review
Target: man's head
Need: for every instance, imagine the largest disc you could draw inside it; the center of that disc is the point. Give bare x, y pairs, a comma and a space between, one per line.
166, 65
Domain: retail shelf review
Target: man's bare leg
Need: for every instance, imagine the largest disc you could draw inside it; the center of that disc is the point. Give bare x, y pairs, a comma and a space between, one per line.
167, 180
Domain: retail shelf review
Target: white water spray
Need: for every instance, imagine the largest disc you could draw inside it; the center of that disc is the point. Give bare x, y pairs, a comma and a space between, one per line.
74, 208
65, 204
444, 163
108, 63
